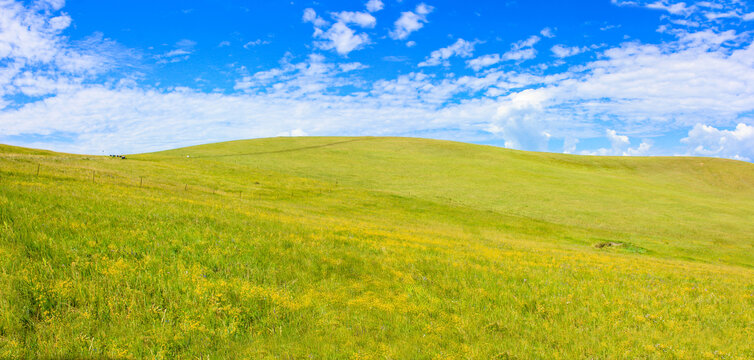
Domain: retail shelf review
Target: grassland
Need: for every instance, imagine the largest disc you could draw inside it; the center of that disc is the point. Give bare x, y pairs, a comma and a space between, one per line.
375, 248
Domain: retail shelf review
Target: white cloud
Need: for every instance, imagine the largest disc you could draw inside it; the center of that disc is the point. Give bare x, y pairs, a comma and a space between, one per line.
294, 132
181, 51
617, 141
643, 150
185, 43
352, 66
712, 15
523, 50
128, 120
256, 42
678, 8
527, 100
619, 146
569, 145
646, 89
339, 36
708, 4
547, 32
374, 5
529, 42
642, 90
223, 43
306, 78
311, 16
693, 15
176, 52
361, 19
710, 141
484, 61
410, 21
342, 39
748, 17
461, 48
520, 55
60, 22
51, 4
520, 51
37, 60
561, 51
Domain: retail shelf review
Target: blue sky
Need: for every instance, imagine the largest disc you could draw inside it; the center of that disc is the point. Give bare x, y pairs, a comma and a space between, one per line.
612, 77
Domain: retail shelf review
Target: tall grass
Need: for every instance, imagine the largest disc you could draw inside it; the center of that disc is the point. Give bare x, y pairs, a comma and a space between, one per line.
374, 248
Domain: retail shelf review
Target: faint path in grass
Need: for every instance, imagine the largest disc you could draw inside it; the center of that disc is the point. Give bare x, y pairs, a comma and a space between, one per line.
284, 150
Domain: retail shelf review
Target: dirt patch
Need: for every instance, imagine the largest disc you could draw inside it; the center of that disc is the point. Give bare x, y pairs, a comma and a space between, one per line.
607, 244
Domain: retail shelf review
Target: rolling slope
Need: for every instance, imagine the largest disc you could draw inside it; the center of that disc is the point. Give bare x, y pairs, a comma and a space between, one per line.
374, 248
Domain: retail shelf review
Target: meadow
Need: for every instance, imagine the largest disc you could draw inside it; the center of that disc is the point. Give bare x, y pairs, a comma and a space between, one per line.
374, 248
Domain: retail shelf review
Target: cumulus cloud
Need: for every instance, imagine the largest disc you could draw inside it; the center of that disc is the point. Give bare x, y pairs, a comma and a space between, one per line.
460, 48
342, 39
339, 36
617, 141
311, 16
359, 18
620, 146
374, 5
410, 21
648, 89
710, 141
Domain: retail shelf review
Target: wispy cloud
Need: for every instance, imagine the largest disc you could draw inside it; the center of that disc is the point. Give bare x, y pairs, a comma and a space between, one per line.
520, 51
181, 51
460, 48
561, 51
254, 43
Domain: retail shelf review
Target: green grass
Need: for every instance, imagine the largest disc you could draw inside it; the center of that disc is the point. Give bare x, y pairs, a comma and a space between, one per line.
384, 248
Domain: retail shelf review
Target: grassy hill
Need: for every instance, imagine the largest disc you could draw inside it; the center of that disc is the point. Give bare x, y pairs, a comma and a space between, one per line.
374, 248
